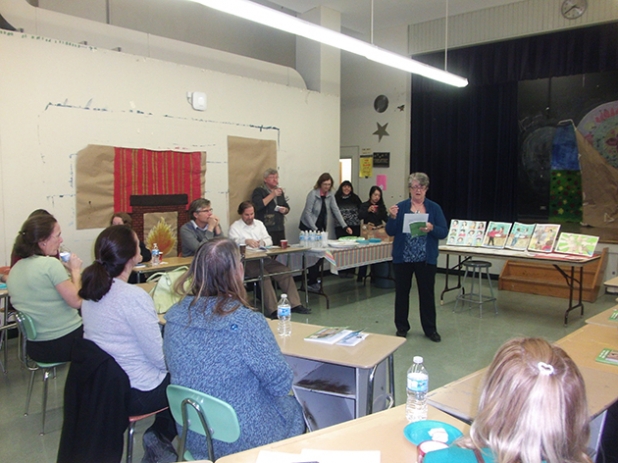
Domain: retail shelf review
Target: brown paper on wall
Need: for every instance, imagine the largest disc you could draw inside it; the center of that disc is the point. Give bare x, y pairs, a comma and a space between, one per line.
599, 186
94, 186
248, 158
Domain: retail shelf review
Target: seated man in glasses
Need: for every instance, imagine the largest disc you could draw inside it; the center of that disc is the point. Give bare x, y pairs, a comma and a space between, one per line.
202, 227
250, 231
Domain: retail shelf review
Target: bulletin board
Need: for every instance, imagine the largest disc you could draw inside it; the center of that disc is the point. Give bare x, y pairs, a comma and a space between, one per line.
248, 158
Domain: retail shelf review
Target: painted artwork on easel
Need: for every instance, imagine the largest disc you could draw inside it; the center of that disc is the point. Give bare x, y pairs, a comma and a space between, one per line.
496, 234
544, 237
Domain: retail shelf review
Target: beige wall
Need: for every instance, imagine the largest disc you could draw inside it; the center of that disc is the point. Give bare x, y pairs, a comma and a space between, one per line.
57, 97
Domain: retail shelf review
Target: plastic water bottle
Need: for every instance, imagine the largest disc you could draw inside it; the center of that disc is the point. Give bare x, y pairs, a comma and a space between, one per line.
417, 386
156, 254
302, 239
284, 314
324, 236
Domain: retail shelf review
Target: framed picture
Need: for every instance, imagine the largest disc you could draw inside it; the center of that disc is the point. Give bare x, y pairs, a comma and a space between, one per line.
519, 238
573, 243
496, 234
544, 237
381, 159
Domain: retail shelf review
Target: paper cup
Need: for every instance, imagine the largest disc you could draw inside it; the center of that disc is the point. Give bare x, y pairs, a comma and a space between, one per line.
284, 244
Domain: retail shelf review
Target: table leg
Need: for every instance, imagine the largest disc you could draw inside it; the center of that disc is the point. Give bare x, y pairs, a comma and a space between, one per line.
570, 281
446, 275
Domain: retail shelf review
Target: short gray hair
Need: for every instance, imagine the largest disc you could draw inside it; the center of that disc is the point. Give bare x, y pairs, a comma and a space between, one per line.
270, 171
421, 177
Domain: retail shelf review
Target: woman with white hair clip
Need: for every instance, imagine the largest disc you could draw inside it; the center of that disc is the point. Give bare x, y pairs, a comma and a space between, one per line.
532, 409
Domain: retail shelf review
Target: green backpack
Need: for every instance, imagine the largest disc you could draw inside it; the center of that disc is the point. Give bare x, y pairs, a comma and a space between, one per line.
163, 293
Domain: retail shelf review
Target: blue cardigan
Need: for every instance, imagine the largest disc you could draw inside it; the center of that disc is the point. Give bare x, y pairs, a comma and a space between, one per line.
436, 218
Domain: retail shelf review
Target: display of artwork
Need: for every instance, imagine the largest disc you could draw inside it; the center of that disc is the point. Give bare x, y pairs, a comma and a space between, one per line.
544, 237
466, 233
519, 238
574, 243
496, 234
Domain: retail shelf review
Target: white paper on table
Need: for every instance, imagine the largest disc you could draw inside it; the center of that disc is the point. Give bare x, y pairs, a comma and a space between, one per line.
413, 218
268, 456
341, 456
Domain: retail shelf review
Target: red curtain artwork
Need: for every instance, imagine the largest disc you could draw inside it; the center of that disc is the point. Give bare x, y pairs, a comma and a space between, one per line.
146, 172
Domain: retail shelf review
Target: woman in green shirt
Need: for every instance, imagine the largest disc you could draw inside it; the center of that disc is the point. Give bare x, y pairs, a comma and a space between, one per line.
43, 287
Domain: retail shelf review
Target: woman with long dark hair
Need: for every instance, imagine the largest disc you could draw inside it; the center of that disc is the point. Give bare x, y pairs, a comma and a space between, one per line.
40, 287
374, 211
215, 343
121, 319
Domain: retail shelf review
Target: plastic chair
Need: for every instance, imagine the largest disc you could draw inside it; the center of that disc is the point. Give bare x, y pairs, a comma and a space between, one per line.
28, 333
203, 414
131, 431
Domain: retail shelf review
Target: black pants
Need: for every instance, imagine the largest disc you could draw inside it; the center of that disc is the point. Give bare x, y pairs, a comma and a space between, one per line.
55, 350
425, 280
277, 236
143, 402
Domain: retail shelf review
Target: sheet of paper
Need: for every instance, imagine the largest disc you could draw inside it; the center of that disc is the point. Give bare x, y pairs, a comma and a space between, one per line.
341, 456
413, 218
268, 456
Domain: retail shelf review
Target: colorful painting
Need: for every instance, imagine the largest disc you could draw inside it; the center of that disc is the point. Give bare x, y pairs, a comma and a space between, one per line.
496, 234
574, 243
466, 233
544, 237
519, 238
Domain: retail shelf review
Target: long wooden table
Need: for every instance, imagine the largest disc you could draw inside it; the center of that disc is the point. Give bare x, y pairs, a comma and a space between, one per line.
167, 264
366, 370
575, 283
381, 431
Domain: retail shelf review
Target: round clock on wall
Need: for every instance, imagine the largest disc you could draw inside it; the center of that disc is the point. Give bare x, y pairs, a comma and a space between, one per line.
573, 9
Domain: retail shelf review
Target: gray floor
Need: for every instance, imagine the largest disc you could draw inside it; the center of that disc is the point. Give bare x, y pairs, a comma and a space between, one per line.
468, 344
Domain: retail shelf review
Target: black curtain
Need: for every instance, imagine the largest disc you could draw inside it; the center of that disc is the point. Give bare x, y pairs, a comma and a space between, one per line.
467, 140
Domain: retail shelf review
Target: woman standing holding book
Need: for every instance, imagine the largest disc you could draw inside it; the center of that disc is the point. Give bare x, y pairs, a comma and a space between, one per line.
416, 255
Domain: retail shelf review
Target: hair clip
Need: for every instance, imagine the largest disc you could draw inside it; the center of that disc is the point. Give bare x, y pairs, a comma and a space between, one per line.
545, 369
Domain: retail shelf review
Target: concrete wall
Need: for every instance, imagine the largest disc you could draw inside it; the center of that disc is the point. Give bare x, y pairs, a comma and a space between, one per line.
57, 97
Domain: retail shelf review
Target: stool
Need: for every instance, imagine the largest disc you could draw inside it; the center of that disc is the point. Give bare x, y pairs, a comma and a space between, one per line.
474, 267
132, 420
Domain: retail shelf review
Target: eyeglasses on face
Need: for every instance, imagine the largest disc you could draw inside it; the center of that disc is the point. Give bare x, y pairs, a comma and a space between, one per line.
205, 210
418, 187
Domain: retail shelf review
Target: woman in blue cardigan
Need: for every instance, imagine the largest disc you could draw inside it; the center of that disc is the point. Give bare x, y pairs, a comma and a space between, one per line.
416, 256
216, 343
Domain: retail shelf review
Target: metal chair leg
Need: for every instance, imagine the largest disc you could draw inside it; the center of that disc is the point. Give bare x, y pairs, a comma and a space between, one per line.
45, 384
30, 385
130, 435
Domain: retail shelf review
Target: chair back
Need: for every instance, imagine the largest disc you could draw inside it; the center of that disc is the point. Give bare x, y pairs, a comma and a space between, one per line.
203, 414
26, 325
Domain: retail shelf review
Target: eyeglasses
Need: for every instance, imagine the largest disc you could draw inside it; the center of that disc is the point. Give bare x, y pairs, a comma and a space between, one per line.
417, 187
205, 210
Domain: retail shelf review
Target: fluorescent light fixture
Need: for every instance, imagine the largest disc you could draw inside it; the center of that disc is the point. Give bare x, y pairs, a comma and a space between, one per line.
278, 20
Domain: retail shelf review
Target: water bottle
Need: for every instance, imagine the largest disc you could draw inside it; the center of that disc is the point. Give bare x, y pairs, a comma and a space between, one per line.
417, 386
156, 254
284, 314
324, 239
302, 238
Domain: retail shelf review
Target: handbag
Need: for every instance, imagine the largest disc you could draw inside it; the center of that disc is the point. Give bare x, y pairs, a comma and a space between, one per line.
163, 293
477, 454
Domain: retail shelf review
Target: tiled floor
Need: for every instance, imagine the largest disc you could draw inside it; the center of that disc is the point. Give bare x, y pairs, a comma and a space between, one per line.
468, 343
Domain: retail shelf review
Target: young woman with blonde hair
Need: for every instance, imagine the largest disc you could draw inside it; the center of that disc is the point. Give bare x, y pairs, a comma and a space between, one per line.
532, 409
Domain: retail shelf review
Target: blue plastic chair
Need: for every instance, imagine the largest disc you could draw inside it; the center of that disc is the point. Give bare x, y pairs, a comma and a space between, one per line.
28, 333
203, 414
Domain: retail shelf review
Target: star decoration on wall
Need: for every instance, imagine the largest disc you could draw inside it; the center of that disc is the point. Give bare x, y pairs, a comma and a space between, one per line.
381, 132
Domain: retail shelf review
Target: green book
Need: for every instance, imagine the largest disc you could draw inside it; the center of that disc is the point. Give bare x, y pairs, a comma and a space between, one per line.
329, 334
614, 315
609, 356
415, 229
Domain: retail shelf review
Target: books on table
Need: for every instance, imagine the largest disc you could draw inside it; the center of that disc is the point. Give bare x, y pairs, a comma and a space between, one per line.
337, 335
609, 356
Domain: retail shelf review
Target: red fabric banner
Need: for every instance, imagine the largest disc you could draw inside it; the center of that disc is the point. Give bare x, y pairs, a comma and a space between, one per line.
145, 172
